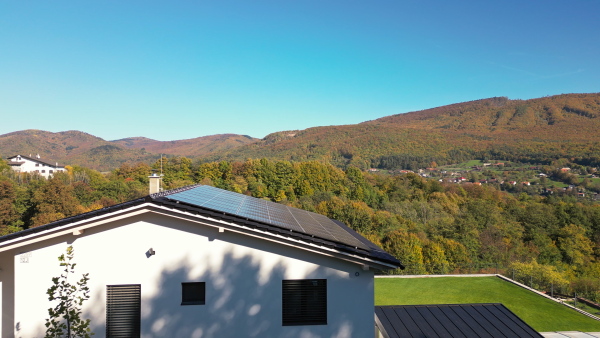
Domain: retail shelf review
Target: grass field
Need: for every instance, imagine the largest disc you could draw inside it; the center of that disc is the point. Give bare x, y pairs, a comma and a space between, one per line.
542, 314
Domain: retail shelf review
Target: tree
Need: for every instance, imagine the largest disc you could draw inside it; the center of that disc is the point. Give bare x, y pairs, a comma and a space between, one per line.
434, 259
9, 217
66, 317
577, 249
53, 200
408, 248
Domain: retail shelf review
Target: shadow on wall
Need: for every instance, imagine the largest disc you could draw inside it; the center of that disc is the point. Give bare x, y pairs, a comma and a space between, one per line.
240, 302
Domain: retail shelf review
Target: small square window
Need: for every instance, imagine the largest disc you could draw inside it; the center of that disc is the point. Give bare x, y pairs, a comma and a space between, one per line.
37, 164
304, 302
193, 293
43, 171
51, 171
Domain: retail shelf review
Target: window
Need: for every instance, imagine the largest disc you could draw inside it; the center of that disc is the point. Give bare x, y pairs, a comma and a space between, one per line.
43, 171
51, 171
304, 302
193, 293
37, 164
123, 310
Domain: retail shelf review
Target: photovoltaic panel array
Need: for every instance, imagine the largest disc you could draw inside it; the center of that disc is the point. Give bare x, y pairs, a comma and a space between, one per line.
268, 212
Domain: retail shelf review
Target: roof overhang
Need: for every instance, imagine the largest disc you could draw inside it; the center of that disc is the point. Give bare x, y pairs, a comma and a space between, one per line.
81, 224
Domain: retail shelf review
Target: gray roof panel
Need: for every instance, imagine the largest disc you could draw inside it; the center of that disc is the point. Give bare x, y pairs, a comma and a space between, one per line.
459, 320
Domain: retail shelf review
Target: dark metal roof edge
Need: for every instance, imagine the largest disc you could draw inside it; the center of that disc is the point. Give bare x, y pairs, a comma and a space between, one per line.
162, 198
368, 243
75, 218
514, 314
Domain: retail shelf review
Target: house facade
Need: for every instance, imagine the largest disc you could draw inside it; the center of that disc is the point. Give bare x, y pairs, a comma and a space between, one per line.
29, 164
198, 262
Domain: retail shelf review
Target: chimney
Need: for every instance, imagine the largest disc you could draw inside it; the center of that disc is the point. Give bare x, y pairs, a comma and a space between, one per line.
154, 183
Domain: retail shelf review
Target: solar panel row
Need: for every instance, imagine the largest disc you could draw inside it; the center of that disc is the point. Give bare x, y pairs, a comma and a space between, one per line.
268, 212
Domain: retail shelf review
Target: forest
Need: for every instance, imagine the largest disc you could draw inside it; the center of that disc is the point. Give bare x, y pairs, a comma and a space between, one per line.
432, 227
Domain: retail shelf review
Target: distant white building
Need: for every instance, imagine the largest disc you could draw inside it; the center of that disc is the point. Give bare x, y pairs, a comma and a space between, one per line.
29, 164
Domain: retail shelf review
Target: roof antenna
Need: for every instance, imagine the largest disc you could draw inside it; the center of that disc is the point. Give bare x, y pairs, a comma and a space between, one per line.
160, 188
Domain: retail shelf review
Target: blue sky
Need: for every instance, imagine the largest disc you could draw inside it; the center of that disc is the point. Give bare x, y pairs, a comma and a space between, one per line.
172, 70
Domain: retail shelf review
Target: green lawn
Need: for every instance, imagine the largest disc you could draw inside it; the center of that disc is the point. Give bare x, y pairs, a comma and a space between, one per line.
556, 184
471, 163
541, 313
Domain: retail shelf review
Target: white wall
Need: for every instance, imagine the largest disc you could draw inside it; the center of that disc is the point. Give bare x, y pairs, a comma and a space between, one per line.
7, 280
243, 281
30, 167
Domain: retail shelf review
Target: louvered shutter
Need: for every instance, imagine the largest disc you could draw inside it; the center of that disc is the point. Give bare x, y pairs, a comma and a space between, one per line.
304, 302
123, 305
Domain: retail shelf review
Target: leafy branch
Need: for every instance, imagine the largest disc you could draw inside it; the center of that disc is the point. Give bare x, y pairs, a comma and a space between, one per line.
66, 317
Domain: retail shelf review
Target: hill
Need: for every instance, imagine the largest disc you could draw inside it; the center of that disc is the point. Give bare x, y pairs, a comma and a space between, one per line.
536, 130
541, 313
75, 147
194, 147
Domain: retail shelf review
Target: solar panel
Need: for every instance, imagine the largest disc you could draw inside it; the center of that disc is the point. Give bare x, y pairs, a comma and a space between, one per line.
268, 212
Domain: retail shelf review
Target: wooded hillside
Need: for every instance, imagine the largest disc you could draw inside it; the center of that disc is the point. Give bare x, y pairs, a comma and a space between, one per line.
78, 148
536, 131
431, 227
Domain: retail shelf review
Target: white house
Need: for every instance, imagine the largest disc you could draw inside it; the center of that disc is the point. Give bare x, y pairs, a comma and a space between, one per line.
198, 262
29, 164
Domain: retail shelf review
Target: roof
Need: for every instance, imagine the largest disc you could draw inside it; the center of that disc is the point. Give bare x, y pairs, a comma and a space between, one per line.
458, 320
55, 164
249, 213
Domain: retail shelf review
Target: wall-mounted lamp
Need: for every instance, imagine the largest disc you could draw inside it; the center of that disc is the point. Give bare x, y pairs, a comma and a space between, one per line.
150, 252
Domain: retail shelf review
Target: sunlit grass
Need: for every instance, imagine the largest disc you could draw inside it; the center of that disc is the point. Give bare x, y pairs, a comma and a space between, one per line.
541, 313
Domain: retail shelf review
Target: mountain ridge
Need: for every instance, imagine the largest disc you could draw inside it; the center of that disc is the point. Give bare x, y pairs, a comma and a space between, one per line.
536, 130
494, 127
81, 148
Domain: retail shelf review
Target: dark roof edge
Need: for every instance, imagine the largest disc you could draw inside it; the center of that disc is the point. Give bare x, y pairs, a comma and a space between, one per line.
367, 242
161, 198
385, 257
75, 218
